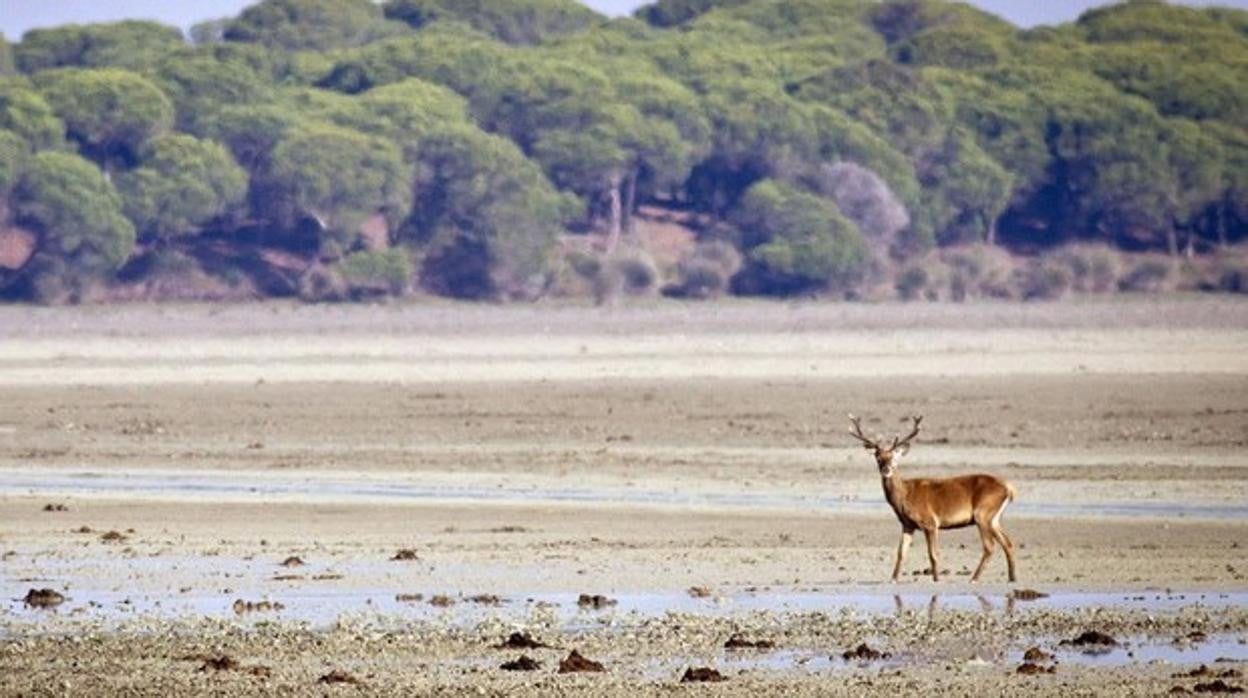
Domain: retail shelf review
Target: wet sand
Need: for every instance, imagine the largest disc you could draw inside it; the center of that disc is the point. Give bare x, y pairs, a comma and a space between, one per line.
691, 467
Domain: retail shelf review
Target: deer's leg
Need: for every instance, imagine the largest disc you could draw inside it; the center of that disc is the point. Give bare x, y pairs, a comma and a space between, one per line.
907, 537
1008, 546
986, 535
930, 535
1003, 539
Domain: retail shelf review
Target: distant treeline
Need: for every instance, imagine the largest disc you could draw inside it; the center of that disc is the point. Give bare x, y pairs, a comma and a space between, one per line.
497, 148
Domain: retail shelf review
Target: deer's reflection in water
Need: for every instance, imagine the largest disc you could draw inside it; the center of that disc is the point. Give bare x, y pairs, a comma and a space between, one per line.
1006, 605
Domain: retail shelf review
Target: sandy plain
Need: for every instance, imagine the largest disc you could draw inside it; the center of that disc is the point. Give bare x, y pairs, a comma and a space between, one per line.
687, 462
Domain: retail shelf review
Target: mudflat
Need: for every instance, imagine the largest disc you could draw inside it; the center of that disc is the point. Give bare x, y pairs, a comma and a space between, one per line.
251, 498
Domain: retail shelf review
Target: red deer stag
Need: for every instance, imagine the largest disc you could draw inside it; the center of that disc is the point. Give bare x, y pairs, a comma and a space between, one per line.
934, 504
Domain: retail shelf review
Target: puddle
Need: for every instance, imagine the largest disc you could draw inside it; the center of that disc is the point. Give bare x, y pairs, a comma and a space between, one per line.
1142, 650
266, 487
325, 603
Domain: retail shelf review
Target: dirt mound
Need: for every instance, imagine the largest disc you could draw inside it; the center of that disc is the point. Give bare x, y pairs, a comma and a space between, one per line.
1091, 639
221, 663
405, 554
702, 675
522, 663
338, 676
575, 662
292, 561
240, 606
1035, 654
44, 598
863, 652
522, 641
55, 507
737, 642
1218, 686
1031, 669
595, 601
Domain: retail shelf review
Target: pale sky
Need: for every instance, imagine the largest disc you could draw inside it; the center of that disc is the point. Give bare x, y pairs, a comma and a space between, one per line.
16, 16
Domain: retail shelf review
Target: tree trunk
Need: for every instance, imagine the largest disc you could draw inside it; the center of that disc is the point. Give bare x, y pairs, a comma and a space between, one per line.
630, 201
1189, 250
613, 232
992, 232
1172, 241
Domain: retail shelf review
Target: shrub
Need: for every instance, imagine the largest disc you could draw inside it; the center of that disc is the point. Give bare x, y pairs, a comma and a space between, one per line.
706, 271
377, 272
323, 284
1093, 268
1149, 275
1043, 279
979, 271
911, 282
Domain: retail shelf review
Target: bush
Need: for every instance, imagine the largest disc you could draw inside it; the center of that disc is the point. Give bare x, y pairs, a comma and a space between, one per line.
637, 273
1043, 279
706, 271
979, 271
911, 282
1093, 268
323, 284
1147, 276
377, 272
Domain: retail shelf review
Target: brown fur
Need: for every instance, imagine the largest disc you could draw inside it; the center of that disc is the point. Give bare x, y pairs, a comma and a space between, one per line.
935, 504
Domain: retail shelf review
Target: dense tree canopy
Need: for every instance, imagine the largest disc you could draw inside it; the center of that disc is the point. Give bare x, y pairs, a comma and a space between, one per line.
471, 144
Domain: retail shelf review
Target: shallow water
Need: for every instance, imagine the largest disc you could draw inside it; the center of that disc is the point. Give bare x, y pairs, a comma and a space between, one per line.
328, 605
231, 486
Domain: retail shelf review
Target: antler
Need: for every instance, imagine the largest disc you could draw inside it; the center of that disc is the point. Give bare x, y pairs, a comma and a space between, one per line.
898, 441
857, 432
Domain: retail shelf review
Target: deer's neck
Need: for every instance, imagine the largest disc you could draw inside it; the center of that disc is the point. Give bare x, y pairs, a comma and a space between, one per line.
895, 491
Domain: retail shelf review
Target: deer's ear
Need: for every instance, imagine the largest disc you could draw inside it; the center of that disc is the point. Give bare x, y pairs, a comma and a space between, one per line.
868, 447
901, 450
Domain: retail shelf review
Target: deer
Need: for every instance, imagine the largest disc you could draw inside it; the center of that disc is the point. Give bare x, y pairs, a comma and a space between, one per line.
936, 504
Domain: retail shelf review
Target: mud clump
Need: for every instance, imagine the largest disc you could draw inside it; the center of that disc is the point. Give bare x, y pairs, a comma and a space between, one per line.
292, 561
1035, 654
864, 653
1092, 640
522, 663
241, 606
700, 592
405, 555
409, 598
1031, 669
441, 601
1027, 595
486, 599
1218, 686
83, 529
595, 601
702, 675
1204, 672
521, 641
338, 676
44, 598
113, 537
576, 663
222, 663
55, 507
738, 642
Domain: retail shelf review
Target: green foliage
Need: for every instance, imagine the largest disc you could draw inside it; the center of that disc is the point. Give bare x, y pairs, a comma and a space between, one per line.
378, 271
315, 25
182, 183
110, 113
133, 45
14, 152
7, 64
336, 176
484, 214
77, 214
512, 21
822, 142
795, 242
25, 112
201, 83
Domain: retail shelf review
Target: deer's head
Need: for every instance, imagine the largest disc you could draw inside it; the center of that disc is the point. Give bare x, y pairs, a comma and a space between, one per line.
887, 454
